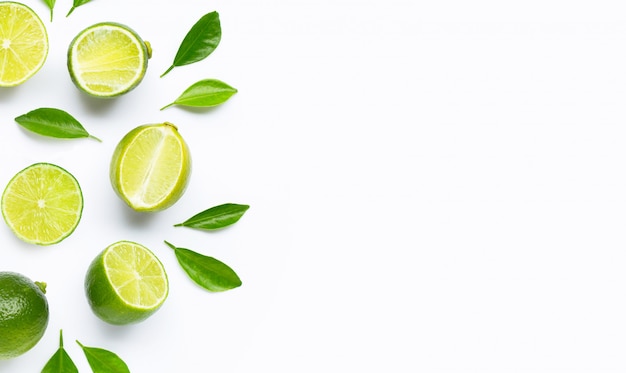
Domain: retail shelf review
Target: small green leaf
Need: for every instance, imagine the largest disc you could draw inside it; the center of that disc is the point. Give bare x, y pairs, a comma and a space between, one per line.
209, 273
200, 41
216, 217
60, 362
76, 4
53, 123
50, 4
205, 93
103, 361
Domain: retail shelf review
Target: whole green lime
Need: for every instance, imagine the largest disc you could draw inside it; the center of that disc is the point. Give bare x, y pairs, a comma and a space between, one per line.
23, 314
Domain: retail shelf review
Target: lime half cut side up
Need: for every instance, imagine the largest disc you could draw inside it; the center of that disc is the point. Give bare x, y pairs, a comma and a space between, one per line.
126, 283
23, 43
107, 59
42, 204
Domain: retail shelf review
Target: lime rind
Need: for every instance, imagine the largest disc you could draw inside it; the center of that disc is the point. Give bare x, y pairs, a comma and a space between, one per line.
102, 66
34, 52
24, 314
36, 211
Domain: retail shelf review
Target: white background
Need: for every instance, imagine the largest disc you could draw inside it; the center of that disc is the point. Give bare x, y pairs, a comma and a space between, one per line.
435, 186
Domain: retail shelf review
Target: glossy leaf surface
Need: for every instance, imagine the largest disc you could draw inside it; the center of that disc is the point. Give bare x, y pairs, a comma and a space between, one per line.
216, 217
103, 361
201, 40
53, 123
204, 93
60, 362
207, 272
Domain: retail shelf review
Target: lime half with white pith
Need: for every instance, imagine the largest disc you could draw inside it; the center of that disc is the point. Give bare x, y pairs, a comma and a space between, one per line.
107, 59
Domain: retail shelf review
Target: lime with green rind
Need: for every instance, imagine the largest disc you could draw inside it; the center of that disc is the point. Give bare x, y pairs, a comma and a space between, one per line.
126, 283
24, 314
150, 167
23, 43
107, 59
42, 204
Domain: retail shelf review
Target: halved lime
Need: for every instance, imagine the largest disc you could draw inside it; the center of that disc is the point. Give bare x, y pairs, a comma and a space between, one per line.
107, 59
150, 167
42, 204
23, 43
126, 283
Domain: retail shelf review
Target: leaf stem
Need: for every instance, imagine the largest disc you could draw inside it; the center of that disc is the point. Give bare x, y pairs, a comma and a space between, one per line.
61, 338
170, 245
167, 71
95, 138
67, 15
166, 106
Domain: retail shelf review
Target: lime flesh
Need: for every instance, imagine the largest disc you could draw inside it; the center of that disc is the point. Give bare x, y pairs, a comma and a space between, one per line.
23, 43
42, 204
126, 283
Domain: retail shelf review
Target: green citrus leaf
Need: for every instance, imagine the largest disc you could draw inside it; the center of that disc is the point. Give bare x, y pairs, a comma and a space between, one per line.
103, 361
216, 217
205, 93
76, 4
60, 362
50, 4
200, 41
209, 273
53, 123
